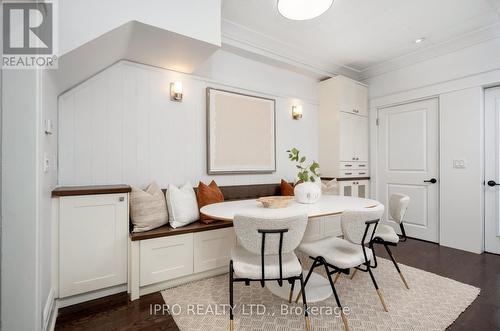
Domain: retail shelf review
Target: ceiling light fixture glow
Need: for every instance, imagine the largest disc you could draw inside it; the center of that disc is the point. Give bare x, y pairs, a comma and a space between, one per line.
419, 40
300, 10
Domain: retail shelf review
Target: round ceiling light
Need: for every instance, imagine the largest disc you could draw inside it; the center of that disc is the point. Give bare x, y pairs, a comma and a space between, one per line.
303, 9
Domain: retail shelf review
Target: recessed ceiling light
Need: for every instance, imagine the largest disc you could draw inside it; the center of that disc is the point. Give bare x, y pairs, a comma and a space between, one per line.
303, 9
419, 40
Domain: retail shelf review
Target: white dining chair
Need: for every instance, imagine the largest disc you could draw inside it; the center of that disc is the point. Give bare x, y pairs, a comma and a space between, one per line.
386, 235
267, 254
338, 255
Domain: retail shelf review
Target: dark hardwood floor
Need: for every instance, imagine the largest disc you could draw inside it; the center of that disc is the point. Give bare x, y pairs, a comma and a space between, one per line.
116, 313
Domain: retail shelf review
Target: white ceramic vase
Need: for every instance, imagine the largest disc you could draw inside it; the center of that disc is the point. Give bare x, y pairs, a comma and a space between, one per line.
308, 192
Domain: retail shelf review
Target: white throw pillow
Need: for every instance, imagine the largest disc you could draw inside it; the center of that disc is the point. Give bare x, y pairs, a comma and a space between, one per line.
148, 209
330, 187
182, 205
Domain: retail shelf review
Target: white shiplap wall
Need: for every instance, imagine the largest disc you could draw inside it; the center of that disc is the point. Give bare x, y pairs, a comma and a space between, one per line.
121, 127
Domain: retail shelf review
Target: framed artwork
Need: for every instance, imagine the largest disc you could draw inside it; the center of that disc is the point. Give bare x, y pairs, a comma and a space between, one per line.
241, 133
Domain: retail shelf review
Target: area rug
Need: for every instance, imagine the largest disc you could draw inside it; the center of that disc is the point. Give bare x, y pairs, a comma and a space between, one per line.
432, 303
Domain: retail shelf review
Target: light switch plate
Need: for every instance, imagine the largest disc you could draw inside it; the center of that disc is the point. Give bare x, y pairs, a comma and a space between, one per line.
49, 127
458, 164
46, 163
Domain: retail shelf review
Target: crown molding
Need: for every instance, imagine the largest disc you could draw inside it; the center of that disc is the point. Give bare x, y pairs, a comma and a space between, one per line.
244, 41
433, 51
250, 43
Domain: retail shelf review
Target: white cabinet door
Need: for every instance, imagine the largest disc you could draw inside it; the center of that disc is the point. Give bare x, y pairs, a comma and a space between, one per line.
348, 127
212, 249
353, 97
360, 99
361, 139
166, 258
353, 138
355, 188
93, 233
363, 189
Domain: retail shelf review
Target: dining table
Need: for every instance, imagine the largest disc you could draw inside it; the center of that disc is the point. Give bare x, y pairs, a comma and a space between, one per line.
318, 287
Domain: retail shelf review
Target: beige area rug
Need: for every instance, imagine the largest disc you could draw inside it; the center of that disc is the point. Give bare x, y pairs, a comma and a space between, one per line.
432, 303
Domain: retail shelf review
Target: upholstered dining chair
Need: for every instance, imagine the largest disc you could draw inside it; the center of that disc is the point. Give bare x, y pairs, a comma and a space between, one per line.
386, 235
266, 253
338, 255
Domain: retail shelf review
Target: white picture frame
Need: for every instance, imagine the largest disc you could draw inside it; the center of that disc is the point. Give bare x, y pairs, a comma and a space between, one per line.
241, 133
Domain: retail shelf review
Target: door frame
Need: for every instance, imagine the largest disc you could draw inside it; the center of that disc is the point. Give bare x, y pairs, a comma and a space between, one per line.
484, 178
374, 144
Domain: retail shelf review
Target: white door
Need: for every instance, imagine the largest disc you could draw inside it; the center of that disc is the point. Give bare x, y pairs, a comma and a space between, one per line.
492, 171
408, 163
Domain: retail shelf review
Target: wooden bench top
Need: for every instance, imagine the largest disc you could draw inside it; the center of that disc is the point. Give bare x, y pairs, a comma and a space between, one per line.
167, 230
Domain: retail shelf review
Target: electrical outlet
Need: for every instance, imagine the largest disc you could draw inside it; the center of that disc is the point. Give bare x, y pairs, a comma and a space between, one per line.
458, 164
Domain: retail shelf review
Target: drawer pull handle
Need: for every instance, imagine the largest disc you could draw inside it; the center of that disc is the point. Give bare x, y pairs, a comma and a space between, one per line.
362, 165
348, 173
348, 165
362, 173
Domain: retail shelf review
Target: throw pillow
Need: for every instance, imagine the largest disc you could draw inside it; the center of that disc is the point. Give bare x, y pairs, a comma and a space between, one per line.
330, 187
206, 195
148, 209
286, 188
182, 205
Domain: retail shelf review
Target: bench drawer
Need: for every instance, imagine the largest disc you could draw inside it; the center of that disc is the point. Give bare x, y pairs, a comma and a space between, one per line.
212, 249
166, 258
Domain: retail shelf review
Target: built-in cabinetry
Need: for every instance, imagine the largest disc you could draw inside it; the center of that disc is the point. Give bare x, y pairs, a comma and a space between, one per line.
354, 188
93, 234
344, 133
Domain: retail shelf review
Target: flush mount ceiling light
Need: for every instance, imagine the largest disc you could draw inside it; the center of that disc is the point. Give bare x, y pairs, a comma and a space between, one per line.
300, 10
419, 40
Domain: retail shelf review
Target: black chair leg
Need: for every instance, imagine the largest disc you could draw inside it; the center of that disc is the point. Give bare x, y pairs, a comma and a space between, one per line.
231, 301
304, 300
396, 265
337, 299
376, 287
313, 266
292, 286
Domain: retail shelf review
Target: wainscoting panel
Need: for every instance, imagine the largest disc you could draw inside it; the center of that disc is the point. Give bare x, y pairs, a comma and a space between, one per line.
121, 127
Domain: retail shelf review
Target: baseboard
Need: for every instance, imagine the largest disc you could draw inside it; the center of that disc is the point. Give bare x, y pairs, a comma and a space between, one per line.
48, 309
182, 280
79, 298
53, 316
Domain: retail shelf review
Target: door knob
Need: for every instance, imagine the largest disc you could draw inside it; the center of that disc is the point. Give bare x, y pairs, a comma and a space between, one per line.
432, 181
492, 183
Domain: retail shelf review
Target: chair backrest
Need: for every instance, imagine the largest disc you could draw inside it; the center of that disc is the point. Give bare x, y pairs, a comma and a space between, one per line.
398, 205
353, 223
247, 229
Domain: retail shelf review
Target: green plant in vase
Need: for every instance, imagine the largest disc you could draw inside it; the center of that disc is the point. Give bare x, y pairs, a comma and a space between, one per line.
306, 190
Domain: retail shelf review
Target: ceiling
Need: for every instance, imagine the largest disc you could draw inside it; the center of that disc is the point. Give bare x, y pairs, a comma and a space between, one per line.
360, 38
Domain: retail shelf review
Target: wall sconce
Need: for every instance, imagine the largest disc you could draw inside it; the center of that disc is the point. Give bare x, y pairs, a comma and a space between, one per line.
176, 91
297, 112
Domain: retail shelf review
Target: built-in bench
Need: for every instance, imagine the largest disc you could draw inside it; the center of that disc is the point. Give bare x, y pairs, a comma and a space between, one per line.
166, 257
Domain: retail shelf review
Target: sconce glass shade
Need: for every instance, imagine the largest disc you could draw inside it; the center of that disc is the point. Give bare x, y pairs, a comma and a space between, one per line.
176, 91
300, 10
297, 112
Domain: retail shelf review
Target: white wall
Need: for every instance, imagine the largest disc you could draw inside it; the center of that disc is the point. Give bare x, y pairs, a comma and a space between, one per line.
121, 127
461, 199
82, 21
458, 80
20, 223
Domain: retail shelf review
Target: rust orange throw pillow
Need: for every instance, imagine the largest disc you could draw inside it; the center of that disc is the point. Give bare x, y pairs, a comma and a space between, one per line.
286, 188
206, 195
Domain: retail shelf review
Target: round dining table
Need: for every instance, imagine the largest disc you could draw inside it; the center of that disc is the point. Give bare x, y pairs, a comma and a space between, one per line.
318, 287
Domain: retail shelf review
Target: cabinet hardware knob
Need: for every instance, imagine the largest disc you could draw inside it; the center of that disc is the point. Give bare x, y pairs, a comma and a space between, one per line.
121, 199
